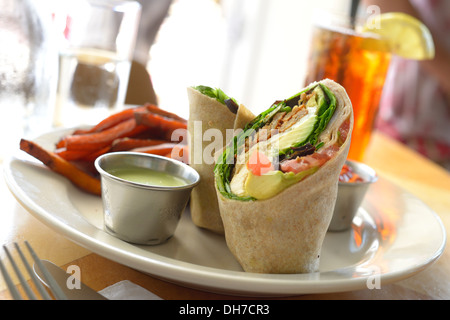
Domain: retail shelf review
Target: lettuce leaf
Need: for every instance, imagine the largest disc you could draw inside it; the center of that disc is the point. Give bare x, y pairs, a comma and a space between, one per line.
214, 93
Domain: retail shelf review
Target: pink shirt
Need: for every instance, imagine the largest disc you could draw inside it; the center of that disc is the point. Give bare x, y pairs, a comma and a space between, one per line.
414, 108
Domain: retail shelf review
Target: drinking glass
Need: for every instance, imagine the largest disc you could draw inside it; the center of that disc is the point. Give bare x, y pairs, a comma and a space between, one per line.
357, 60
95, 52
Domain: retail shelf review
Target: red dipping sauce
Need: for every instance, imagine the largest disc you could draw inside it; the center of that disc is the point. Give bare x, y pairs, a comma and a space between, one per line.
348, 175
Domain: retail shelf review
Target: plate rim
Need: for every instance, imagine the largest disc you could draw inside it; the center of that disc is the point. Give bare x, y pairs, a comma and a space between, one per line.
186, 273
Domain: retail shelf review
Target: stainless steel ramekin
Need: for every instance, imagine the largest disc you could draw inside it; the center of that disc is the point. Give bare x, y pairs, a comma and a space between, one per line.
140, 213
350, 196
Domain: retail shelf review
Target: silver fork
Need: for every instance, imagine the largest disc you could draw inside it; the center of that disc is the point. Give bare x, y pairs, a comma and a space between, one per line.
54, 287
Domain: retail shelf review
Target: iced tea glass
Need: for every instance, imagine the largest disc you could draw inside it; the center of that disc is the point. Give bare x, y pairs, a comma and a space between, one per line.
359, 62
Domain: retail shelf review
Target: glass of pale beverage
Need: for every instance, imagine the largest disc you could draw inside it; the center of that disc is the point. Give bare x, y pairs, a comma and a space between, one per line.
96, 44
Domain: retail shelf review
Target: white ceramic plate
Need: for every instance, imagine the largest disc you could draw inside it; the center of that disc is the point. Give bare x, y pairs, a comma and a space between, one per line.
394, 236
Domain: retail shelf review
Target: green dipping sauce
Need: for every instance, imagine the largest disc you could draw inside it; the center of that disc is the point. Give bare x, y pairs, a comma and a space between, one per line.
148, 177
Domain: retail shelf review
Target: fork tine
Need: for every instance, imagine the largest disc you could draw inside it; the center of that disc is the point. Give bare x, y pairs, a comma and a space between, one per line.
45, 295
56, 290
12, 288
22, 280
54, 287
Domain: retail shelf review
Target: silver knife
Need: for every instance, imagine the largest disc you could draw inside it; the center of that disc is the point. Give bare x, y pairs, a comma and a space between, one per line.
61, 276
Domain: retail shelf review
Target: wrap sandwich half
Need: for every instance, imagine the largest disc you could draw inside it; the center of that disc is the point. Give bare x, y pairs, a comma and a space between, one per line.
276, 181
211, 114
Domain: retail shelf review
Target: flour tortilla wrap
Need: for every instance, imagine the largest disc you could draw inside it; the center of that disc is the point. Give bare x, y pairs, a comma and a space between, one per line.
208, 112
284, 233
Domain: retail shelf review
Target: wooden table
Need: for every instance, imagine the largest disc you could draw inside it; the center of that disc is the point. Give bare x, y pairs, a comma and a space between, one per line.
390, 159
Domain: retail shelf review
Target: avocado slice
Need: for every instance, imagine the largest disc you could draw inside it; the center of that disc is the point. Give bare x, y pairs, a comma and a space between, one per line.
269, 184
299, 133
321, 108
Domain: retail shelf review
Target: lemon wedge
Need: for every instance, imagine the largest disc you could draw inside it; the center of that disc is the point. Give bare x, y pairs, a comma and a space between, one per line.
406, 36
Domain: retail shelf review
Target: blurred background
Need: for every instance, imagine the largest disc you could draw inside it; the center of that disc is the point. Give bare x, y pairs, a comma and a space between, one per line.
254, 50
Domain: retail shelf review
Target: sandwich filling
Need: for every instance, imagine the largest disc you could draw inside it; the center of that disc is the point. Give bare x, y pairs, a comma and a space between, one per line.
280, 147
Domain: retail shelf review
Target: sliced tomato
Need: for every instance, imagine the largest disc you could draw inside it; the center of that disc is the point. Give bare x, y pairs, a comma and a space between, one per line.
259, 163
317, 159
343, 131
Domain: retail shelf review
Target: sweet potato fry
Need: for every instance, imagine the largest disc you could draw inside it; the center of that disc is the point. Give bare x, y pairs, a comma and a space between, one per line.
75, 155
105, 124
161, 149
112, 120
71, 155
59, 165
161, 112
94, 155
122, 116
99, 140
124, 144
179, 152
166, 125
